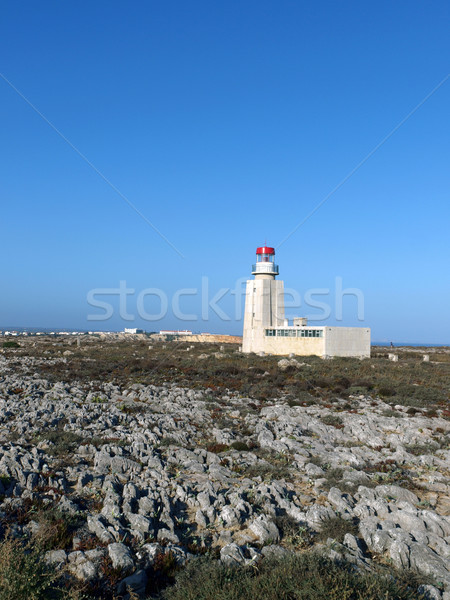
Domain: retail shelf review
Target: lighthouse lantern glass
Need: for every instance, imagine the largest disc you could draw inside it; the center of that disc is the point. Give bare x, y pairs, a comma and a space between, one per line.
265, 254
265, 257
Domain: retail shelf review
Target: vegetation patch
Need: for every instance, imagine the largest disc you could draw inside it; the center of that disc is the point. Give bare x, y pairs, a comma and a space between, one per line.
410, 382
294, 535
24, 574
420, 449
305, 576
277, 468
56, 529
333, 478
240, 446
217, 448
63, 442
332, 420
336, 528
11, 345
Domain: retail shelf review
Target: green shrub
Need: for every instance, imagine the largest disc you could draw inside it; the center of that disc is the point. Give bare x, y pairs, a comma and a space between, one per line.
98, 400
305, 576
420, 449
302, 398
64, 442
168, 441
294, 535
11, 345
5, 480
419, 396
386, 391
23, 573
240, 446
388, 412
333, 477
217, 448
336, 528
133, 409
389, 472
332, 420
56, 530
267, 471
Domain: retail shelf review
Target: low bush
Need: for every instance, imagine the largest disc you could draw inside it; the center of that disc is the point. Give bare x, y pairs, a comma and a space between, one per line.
11, 345
295, 535
419, 396
420, 449
333, 478
168, 441
217, 448
302, 398
56, 529
240, 446
5, 480
336, 528
23, 573
267, 471
333, 420
64, 442
305, 576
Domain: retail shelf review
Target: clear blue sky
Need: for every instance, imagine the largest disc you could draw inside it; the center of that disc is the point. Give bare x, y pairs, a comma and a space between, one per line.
225, 124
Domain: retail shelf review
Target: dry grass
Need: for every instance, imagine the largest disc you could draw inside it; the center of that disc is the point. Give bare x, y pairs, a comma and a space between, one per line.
305, 576
409, 382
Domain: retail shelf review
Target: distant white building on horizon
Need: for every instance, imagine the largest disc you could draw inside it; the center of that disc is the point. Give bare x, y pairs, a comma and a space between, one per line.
175, 332
266, 329
132, 330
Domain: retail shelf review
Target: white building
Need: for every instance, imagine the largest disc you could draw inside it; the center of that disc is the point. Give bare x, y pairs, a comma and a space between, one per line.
266, 329
132, 330
175, 332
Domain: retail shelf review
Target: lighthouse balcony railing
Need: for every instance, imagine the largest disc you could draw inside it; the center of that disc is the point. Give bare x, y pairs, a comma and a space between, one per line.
265, 267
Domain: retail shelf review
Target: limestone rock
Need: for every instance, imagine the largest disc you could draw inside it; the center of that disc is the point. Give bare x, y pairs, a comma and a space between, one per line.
265, 530
120, 556
231, 554
135, 583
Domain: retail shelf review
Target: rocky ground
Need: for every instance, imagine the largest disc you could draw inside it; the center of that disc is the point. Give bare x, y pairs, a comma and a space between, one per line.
119, 480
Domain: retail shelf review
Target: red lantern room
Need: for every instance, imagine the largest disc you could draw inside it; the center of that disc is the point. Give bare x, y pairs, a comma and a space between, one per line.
265, 254
265, 267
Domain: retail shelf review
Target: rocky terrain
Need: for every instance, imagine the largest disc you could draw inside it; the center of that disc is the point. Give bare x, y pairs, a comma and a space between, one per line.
120, 481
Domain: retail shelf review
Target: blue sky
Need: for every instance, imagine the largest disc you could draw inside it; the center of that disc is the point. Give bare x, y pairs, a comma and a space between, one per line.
225, 124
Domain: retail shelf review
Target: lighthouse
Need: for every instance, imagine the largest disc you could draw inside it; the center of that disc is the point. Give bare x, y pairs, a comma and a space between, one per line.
266, 330
264, 301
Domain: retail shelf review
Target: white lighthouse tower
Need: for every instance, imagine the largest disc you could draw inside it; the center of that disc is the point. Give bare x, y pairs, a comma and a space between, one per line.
264, 301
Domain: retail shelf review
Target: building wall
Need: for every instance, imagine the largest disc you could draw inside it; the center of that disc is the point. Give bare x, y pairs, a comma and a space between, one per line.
347, 341
264, 307
208, 338
299, 346
211, 339
336, 341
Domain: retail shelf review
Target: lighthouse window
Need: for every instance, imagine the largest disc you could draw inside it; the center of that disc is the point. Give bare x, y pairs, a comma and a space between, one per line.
297, 332
310, 333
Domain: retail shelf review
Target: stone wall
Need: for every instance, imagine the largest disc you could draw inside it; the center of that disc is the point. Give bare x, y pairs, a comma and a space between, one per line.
211, 339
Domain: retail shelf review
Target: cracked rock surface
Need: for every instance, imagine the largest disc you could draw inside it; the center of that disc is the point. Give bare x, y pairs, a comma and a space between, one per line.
139, 471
